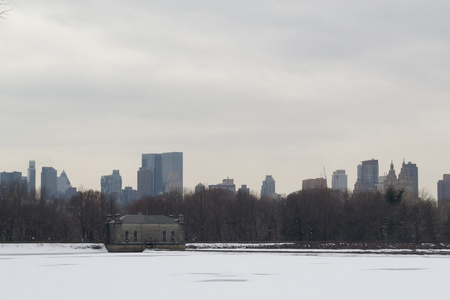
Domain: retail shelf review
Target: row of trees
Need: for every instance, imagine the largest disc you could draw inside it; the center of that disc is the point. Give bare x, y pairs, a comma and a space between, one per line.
26, 216
218, 215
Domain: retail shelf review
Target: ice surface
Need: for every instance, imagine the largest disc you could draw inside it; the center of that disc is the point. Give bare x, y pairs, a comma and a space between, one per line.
218, 275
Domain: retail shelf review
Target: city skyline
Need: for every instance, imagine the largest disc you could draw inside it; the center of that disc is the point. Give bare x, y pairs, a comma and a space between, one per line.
243, 90
104, 187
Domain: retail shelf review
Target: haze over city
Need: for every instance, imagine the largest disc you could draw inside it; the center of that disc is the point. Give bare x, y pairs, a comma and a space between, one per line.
243, 89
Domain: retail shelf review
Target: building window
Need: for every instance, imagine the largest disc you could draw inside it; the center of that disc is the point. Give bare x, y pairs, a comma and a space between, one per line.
172, 236
135, 236
164, 237
126, 236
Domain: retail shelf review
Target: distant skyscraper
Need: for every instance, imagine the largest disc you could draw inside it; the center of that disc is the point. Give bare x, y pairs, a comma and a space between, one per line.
268, 187
128, 196
199, 188
10, 177
227, 184
167, 171
48, 182
339, 180
391, 178
314, 183
443, 187
414, 172
406, 181
367, 176
112, 184
31, 175
244, 189
145, 183
63, 184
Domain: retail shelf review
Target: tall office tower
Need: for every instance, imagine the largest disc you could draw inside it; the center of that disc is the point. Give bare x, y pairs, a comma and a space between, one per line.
268, 187
10, 177
443, 187
145, 183
414, 172
391, 178
31, 175
63, 183
112, 184
167, 171
48, 182
339, 180
128, 196
367, 176
406, 181
314, 183
244, 189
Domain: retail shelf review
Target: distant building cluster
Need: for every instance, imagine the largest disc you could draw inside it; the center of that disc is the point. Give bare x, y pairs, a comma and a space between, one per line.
163, 172
52, 185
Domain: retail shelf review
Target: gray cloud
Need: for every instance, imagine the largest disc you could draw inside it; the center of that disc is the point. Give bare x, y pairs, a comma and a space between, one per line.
247, 89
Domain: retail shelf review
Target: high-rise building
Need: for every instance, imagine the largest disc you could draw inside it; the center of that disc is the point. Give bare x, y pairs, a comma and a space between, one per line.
112, 184
414, 172
443, 187
314, 183
406, 181
145, 182
48, 182
391, 178
200, 188
10, 177
367, 176
339, 180
244, 189
31, 175
268, 187
128, 196
63, 187
167, 171
227, 184
62, 183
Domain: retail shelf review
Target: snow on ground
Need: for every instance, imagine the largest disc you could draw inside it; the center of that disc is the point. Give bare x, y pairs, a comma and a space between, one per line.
221, 275
48, 248
278, 247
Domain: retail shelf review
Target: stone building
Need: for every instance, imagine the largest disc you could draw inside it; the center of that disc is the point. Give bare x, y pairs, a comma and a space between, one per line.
138, 232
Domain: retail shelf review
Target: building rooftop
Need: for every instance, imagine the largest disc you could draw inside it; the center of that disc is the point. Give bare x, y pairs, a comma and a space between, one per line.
147, 219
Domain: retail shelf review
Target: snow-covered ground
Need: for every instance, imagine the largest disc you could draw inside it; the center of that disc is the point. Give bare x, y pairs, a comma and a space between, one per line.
74, 272
279, 247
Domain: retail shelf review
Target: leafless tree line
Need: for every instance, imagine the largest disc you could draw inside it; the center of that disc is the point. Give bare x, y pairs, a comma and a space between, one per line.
221, 216
30, 216
308, 215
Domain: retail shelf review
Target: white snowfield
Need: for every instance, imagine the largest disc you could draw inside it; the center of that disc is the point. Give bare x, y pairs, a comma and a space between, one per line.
85, 271
51, 248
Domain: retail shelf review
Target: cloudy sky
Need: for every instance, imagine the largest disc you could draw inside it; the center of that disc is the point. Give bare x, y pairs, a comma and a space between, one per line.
243, 88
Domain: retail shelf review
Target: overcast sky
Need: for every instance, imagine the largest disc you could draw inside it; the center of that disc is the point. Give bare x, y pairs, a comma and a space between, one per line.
243, 88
